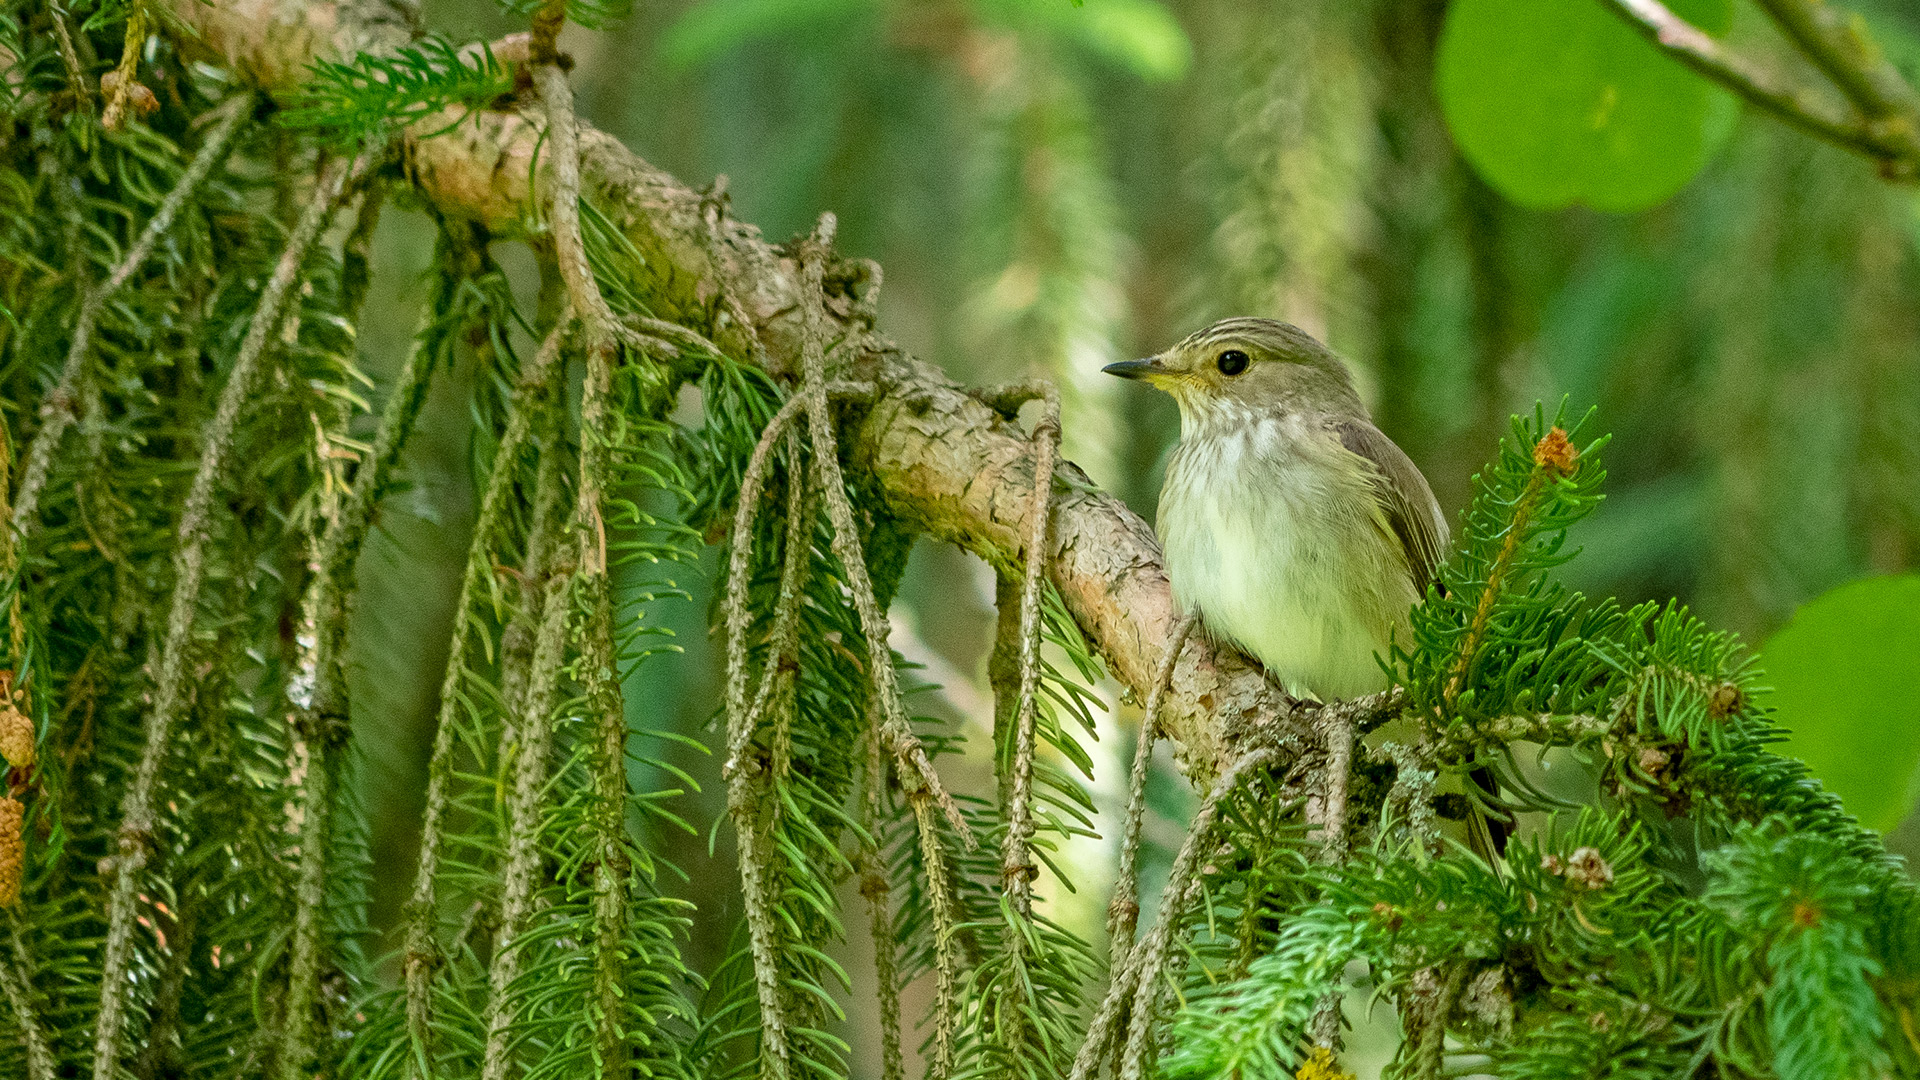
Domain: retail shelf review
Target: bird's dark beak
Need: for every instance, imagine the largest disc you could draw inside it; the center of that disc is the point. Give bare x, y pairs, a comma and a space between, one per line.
1137, 369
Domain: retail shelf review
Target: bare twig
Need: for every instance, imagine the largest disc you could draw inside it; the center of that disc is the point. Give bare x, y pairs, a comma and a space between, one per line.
1328, 806
1893, 145
1016, 863
57, 408
135, 835
1839, 46
422, 952
738, 614
1123, 911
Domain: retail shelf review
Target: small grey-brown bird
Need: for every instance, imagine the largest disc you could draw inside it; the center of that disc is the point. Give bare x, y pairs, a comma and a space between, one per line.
1290, 524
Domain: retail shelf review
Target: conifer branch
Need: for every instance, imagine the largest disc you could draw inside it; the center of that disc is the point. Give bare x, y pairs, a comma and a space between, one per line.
320, 719
876, 888
134, 838
1141, 980
422, 948
745, 779
57, 409
946, 938
1016, 865
918, 775
535, 740
1123, 910
17, 983
1552, 458
611, 871
1327, 807
943, 464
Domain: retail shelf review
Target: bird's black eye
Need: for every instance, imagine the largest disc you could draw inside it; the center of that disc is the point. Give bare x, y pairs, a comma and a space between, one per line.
1231, 362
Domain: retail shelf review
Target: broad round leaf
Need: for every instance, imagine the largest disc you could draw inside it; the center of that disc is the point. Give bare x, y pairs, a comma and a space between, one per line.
1846, 685
1557, 102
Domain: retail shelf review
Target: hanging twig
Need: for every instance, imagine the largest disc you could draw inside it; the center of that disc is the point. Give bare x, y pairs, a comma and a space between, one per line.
517, 884
946, 938
917, 769
875, 886
1016, 863
1123, 911
321, 717
422, 948
612, 870
746, 778
918, 779
135, 835
737, 613
18, 985
57, 409
1137, 982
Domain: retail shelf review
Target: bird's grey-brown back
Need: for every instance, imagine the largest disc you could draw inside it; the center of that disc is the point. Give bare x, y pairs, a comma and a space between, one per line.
1291, 524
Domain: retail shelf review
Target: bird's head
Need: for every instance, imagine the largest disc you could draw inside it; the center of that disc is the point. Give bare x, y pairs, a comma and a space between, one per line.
1237, 369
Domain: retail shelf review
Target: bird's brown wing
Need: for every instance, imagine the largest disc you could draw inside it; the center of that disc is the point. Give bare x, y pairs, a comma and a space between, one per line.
1412, 512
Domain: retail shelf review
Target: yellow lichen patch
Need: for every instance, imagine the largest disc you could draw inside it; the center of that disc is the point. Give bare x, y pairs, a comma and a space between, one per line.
1321, 1066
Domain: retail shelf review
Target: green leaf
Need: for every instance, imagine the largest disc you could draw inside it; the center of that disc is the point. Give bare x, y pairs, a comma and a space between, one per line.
1846, 679
1557, 102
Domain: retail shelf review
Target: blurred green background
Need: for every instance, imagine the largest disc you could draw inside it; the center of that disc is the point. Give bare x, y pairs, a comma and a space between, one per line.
1051, 187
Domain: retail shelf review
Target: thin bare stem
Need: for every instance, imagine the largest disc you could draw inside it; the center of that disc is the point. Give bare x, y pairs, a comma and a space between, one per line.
135, 835
517, 885
1838, 44
422, 950
563, 205
1123, 911
1895, 149
57, 410
783, 641
1016, 863
18, 985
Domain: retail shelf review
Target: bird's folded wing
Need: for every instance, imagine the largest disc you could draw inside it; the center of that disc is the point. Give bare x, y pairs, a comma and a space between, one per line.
1408, 502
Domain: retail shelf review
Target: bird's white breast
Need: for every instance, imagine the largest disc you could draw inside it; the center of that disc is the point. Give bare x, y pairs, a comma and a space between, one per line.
1272, 531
